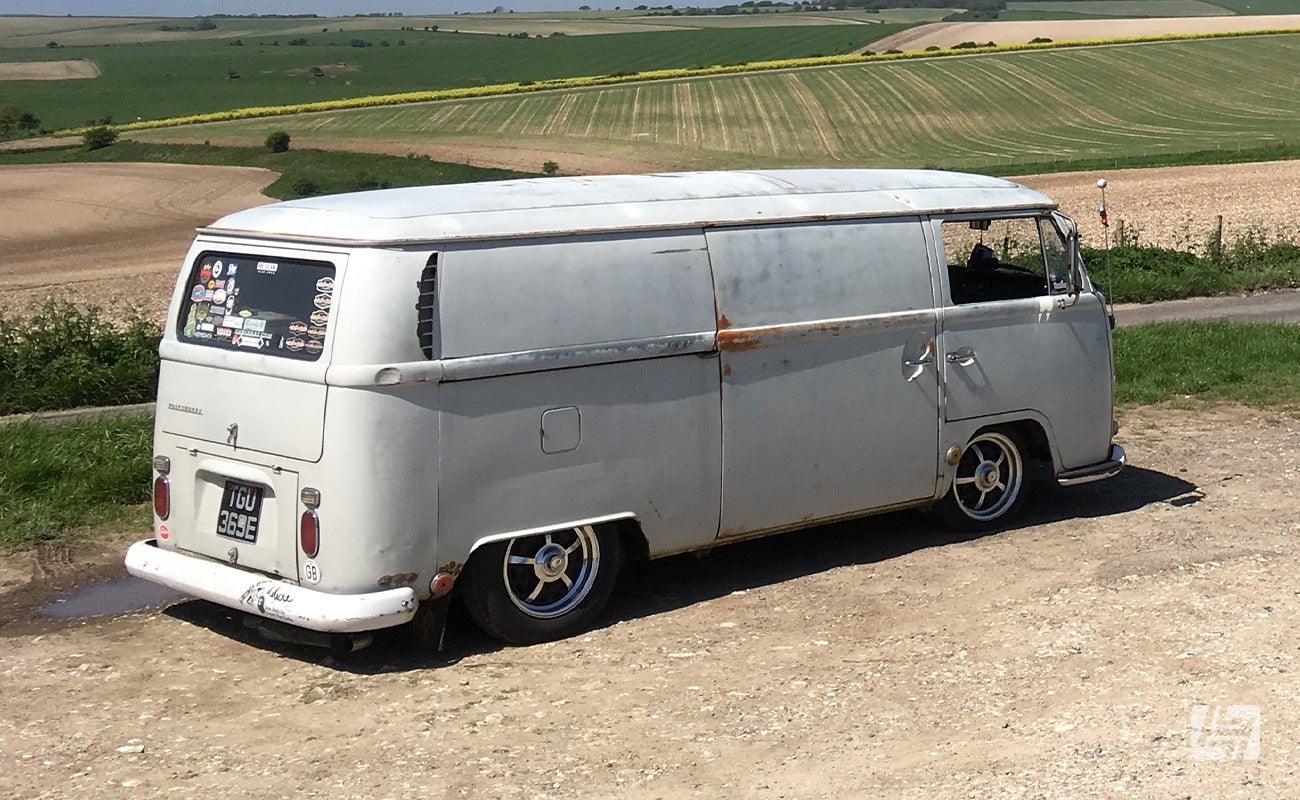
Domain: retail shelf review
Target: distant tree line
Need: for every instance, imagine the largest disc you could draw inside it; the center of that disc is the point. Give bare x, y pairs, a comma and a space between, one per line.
965, 9
201, 25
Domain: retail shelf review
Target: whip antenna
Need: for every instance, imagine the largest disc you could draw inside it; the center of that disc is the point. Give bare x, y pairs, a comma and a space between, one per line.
1105, 226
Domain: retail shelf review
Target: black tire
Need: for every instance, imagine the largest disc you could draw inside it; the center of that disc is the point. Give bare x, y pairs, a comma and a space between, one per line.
542, 587
991, 483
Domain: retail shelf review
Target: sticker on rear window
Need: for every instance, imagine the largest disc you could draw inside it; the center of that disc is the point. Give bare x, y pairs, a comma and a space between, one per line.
267, 311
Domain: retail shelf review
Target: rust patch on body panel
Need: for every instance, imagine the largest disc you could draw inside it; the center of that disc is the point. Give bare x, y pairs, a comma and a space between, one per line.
452, 568
723, 322
736, 341
753, 338
400, 579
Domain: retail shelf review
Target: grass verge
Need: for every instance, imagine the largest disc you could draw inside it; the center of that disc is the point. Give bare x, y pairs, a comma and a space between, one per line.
302, 171
1256, 364
55, 479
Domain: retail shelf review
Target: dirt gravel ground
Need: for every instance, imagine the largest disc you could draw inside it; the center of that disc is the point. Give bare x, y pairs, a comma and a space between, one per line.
947, 34
1177, 206
1064, 658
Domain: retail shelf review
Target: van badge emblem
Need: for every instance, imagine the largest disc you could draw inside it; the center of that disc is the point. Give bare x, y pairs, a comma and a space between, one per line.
232, 434
233, 555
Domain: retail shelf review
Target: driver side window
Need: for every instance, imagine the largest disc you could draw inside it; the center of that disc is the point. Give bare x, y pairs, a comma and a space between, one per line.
1003, 259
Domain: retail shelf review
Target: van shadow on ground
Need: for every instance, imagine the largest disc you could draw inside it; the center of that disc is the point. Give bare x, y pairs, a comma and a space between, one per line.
679, 581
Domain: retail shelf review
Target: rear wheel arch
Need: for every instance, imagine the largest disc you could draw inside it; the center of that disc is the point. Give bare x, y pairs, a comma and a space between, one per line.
538, 586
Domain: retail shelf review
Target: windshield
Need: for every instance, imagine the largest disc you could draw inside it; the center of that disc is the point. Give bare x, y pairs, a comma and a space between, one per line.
273, 307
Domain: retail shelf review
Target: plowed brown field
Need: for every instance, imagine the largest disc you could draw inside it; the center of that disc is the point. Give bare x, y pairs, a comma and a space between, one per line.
109, 234
947, 34
47, 70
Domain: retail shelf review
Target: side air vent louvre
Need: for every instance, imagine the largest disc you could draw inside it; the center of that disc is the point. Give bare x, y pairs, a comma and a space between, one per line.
428, 309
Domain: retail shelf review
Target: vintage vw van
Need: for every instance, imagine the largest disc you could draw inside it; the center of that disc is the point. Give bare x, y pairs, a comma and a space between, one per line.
368, 402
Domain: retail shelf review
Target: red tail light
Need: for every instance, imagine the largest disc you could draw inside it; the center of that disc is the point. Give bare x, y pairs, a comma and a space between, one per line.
309, 533
162, 497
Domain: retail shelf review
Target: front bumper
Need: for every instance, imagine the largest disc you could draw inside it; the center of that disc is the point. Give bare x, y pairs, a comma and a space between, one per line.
1095, 472
257, 594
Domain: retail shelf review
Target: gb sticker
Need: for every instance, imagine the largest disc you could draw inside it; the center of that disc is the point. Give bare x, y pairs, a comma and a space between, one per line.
310, 572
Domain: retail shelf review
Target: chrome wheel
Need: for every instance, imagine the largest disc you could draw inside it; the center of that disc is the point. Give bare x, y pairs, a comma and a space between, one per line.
989, 477
548, 575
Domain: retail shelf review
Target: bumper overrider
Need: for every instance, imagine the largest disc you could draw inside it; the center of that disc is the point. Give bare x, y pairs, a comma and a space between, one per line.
266, 597
1095, 472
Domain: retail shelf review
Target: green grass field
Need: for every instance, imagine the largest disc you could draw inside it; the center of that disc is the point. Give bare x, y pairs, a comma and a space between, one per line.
996, 112
37, 31
175, 78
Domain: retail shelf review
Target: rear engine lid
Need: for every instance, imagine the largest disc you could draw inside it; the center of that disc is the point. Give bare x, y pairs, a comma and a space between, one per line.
241, 411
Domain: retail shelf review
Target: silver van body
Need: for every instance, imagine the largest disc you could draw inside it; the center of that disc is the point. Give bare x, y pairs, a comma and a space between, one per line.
549, 370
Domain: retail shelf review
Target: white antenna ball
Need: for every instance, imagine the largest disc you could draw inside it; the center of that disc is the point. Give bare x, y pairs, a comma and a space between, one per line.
1101, 183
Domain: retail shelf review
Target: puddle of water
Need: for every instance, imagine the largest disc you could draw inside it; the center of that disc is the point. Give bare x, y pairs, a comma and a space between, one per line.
111, 599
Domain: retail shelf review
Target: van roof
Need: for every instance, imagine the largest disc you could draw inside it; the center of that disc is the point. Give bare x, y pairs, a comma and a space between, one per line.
585, 204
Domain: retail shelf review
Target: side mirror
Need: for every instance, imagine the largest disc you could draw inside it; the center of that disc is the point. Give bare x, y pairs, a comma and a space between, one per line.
1074, 274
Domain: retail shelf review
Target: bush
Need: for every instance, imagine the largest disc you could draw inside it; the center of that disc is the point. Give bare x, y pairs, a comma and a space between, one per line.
305, 188
277, 142
99, 137
364, 181
1145, 274
68, 356
14, 121
550, 167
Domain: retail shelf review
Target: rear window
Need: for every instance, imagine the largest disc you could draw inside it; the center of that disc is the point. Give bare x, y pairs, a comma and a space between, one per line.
256, 304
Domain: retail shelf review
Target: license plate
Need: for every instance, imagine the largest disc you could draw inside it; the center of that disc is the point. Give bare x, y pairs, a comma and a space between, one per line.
241, 508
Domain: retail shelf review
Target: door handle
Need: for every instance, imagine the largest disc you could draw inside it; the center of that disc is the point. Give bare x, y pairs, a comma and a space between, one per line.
919, 363
962, 356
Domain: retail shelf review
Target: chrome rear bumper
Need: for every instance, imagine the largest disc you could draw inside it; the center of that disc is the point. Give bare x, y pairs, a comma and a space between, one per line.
257, 594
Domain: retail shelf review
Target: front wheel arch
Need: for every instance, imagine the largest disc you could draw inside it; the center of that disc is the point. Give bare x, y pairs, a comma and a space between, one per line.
994, 478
